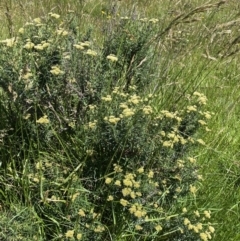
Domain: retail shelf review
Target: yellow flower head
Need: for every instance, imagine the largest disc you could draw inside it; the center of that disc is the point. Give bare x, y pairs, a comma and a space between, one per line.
207, 214
79, 236
147, 110
192, 160
108, 180
184, 210
207, 115
28, 45
118, 183
54, 15
69, 233
117, 168
130, 176
133, 195
37, 20
202, 100
140, 170
112, 57
126, 191
91, 52
56, 71
158, 228
110, 198
132, 209
211, 229
190, 226
162, 133
168, 144
123, 105
204, 236
27, 75
74, 196
85, 44
193, 189
125, 18
127, 112
136, 184
186, 221
99, 229
191, 108
38, 47
43, 120
127, 182
168, 114
92, 107
108, 98
178, 189
78, 46
62, 32
200, 141
138, 227
10, 42
140, 213
197, 213
199, 226
139, 194
113, 119
21, 30
45, 45
134, 99
153, 20
81, 213
92, 125
202, 122
123, 202
150, 174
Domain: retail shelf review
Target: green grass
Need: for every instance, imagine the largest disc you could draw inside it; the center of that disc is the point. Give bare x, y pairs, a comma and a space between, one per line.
198, 53
220, 162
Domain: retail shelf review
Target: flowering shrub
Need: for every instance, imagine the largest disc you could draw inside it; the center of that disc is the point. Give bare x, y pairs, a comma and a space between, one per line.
84, 142
138, 162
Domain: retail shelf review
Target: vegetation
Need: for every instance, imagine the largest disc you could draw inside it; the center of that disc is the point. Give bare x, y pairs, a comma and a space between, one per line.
119, 121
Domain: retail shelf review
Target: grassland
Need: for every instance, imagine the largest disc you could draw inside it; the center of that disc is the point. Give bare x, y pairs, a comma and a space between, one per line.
195, 48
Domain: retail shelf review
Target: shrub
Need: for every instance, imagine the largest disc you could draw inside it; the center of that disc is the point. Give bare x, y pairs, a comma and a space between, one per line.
84, 143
